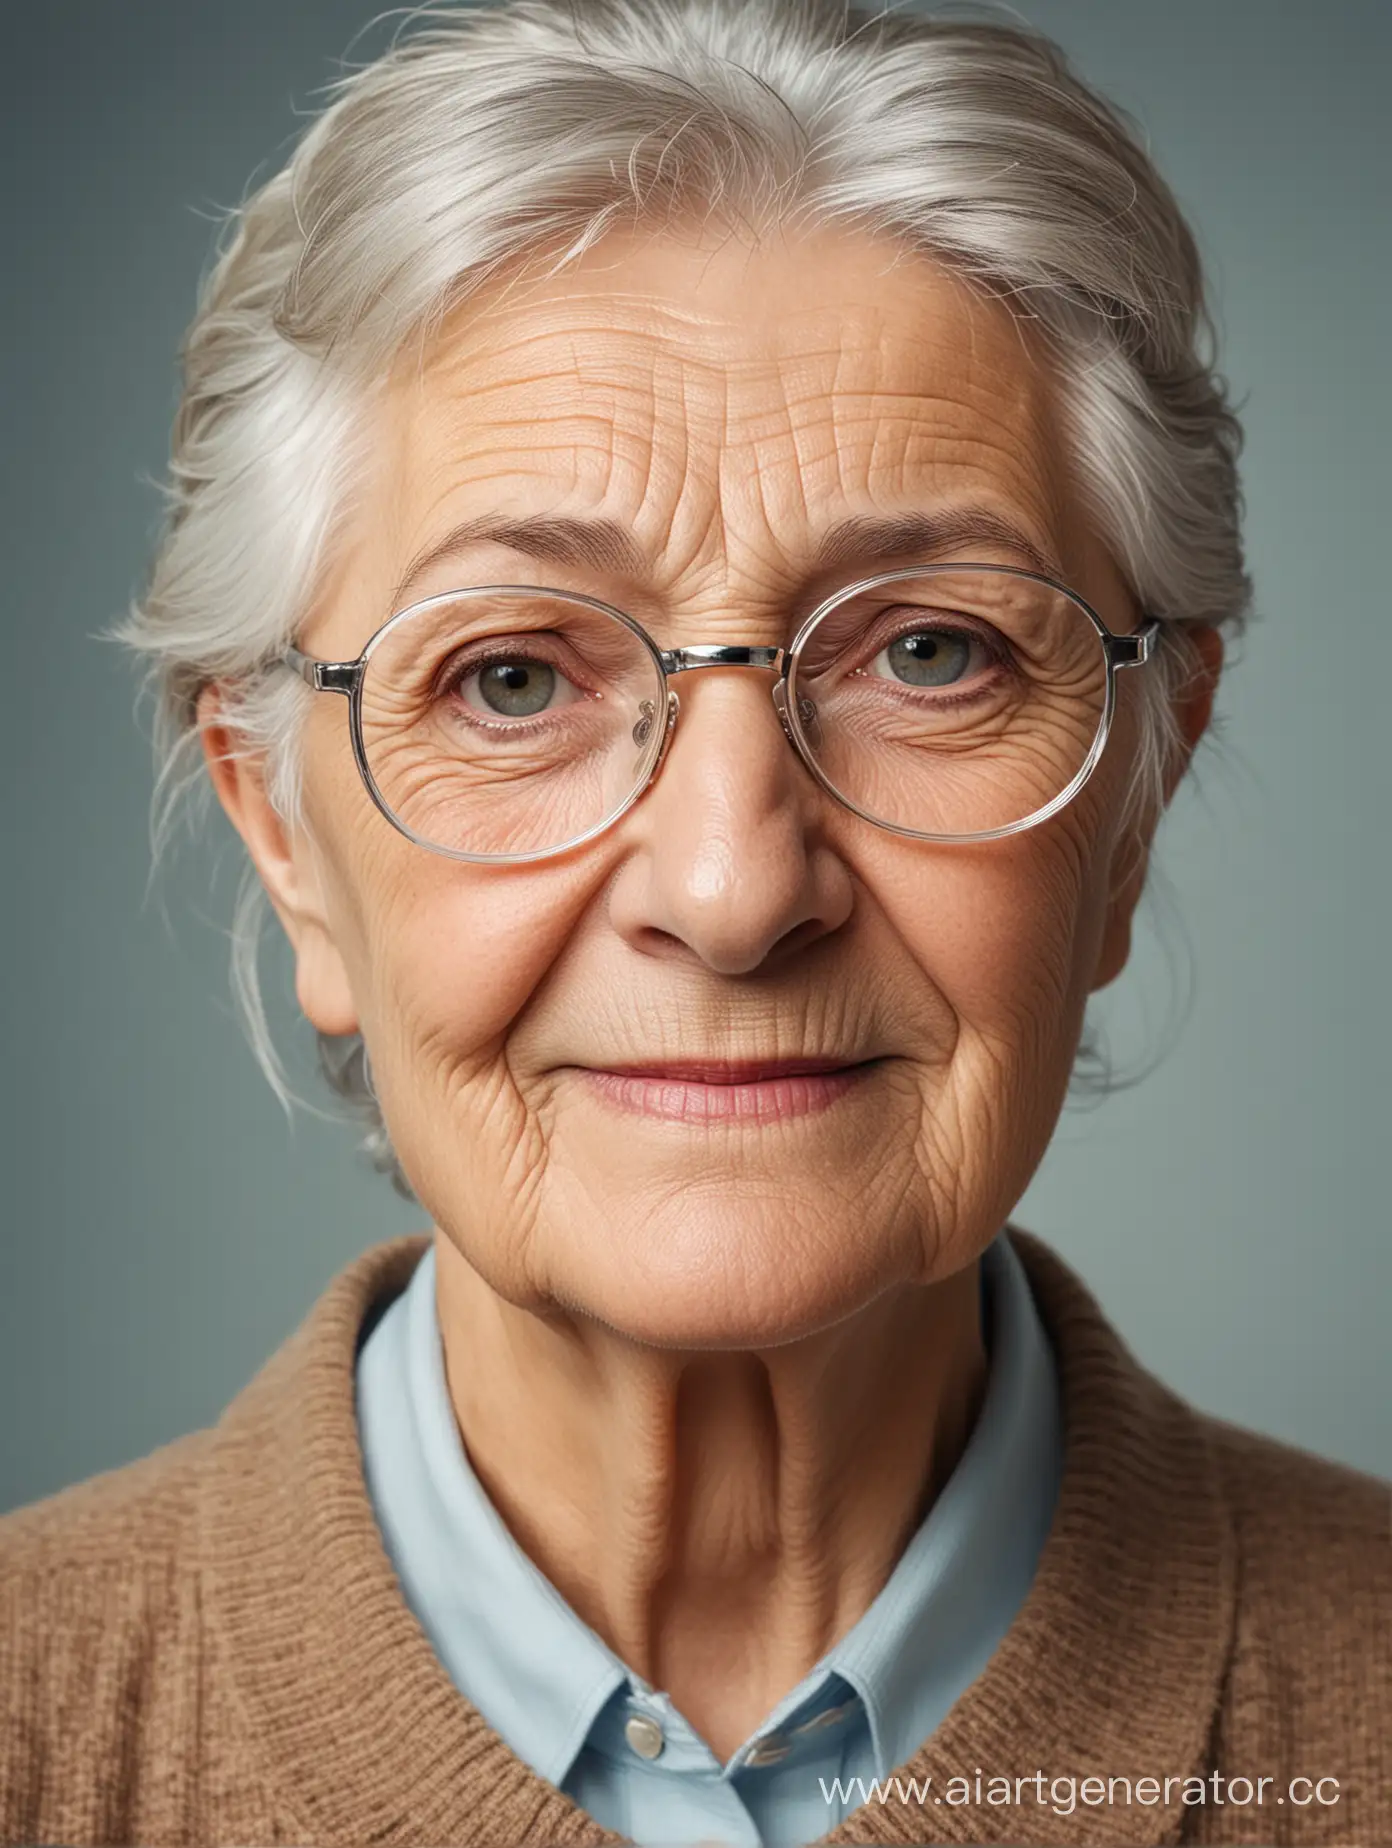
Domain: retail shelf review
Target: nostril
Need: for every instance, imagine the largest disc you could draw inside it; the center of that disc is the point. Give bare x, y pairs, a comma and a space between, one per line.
793, 940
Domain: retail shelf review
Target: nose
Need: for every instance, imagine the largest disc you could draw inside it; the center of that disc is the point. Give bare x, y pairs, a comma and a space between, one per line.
730, 861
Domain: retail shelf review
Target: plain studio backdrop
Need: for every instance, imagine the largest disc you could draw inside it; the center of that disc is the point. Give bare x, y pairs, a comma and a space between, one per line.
165, 1228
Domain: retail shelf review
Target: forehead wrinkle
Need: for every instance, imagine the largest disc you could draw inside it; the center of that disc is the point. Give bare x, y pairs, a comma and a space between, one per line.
801, 472
697, 529
853, 416
861, 422
872, 441
796, 369
798, 373
593, 467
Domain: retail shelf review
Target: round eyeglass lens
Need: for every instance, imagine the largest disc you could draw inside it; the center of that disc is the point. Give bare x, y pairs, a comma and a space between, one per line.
955, 702
505, 723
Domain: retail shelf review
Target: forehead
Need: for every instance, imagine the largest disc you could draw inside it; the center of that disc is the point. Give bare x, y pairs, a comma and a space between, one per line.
726, 404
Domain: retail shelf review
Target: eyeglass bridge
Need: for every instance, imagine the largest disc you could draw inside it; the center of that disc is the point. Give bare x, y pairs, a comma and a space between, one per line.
720, 654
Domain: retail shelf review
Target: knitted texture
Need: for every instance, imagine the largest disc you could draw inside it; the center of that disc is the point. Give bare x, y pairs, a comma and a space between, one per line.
209, 1646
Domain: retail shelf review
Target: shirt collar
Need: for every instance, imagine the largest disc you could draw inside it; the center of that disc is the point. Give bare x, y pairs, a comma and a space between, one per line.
543, 1677
511, 1643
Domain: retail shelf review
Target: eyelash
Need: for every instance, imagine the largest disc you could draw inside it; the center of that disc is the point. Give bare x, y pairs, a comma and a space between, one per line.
947, 621
449, 678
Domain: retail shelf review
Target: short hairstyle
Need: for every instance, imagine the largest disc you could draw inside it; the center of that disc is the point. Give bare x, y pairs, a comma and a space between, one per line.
489, 137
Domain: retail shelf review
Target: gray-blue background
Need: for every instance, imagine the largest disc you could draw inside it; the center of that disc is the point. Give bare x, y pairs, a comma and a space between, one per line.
164, 1229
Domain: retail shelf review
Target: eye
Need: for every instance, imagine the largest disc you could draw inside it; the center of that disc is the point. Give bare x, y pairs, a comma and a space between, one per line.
515, 687
930, 657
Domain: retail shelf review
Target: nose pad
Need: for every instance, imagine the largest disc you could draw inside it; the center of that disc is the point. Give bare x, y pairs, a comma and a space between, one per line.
643, 729
811, 725
807, 717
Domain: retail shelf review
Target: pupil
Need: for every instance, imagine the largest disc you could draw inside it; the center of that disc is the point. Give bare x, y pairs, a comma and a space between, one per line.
518, 689
929, 658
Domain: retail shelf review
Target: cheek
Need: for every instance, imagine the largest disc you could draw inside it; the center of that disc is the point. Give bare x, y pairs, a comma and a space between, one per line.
1006, 930
448, 955
440, 955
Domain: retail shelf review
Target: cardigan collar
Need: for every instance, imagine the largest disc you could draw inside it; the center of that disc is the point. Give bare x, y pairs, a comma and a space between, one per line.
1112, 1668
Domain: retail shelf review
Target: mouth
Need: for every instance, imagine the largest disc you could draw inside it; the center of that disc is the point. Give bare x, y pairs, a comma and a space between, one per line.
696, 1091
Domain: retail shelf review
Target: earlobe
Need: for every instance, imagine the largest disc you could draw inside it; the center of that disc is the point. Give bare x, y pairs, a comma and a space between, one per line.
285, 868
1121, 909
239, 781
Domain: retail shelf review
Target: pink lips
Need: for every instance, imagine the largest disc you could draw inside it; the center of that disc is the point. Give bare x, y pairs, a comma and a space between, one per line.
720, 1090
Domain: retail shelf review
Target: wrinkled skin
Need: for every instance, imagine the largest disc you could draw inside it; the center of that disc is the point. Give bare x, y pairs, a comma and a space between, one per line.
711, 1373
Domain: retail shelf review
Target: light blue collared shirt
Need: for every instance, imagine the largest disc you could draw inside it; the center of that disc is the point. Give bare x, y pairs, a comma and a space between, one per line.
564, 1702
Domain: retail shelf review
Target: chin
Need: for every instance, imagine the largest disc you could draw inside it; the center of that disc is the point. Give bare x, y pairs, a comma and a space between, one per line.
721, 1274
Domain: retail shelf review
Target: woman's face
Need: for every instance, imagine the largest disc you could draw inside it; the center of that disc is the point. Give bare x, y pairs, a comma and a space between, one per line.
725, 408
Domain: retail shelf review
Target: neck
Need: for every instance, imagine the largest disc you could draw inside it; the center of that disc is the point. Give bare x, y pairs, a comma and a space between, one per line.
720, 1519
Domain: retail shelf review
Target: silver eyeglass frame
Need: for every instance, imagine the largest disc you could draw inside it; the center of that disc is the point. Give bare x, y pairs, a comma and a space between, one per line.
347, 677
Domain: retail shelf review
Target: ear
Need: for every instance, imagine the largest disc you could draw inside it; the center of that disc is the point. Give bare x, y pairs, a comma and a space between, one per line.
1193, 710
286, 868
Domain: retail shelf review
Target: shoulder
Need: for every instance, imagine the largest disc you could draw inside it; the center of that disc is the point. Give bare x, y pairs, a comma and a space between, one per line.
1307, 1531
1287, 1554
136, 1606
100, 1643
106, 1556
1293, 1509
1314, 1540
108, 1522
1321, 1495
1308, 1690
149, 1522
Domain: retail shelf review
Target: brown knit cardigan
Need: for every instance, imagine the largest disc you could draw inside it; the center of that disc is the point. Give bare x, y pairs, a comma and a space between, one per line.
209, 1646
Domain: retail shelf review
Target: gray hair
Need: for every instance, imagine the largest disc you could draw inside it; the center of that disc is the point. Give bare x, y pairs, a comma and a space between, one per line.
495, 137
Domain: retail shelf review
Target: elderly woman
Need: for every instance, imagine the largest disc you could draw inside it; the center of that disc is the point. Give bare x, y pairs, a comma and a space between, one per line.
700, 543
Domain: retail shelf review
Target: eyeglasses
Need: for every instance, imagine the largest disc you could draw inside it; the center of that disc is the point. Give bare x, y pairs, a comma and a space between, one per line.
508, 722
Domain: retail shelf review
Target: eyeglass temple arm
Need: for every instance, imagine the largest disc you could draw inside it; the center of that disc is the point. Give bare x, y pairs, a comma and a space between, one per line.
1132, 650
323, 676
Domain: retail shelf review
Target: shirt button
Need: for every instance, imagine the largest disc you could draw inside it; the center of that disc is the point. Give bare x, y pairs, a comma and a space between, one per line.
644, 1735
770, 1750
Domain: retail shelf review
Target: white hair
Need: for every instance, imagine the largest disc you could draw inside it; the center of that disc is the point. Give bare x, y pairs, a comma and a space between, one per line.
493, 137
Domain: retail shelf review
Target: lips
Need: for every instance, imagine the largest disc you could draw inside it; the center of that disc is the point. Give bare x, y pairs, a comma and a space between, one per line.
710, 1091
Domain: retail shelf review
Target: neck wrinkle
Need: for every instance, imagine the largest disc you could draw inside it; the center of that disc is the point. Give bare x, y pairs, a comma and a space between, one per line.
719, 1520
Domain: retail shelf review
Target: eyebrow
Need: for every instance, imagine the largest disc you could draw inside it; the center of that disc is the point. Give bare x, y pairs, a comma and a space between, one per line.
872, 540
607, 546
603, 544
